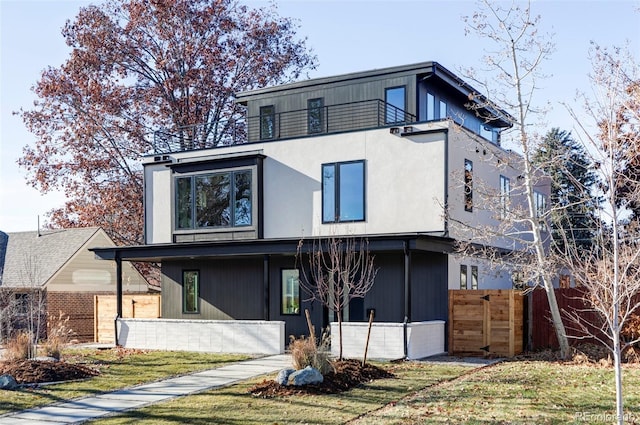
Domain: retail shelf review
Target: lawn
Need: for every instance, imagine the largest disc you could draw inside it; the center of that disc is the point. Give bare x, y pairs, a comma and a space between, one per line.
118, 369
518, 392
523, 392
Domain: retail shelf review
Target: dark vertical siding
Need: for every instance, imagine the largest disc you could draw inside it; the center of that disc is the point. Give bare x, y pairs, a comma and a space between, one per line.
429, 296
295, 325
387, 294
229, 289
345, 92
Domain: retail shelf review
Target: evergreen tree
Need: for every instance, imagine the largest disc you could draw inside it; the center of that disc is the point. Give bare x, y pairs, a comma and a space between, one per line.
572, 179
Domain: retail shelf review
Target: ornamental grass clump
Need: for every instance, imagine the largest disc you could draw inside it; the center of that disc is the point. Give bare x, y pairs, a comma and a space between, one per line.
306, 352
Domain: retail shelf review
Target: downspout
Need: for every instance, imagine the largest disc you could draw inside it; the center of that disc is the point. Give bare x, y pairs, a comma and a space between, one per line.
407, 296
118, 296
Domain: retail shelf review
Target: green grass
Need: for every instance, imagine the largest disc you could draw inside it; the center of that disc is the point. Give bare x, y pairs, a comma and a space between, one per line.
234, 405
116, 371
518, 392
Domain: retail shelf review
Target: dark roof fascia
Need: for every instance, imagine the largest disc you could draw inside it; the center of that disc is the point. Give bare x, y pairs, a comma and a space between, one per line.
418, 68
160, 252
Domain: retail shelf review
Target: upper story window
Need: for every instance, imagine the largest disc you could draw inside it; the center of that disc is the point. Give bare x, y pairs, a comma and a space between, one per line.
214, 200
315, 115
395, 98
443, 110
505, 196
431, 107
343, 192
267, 122
468, 185
541, 208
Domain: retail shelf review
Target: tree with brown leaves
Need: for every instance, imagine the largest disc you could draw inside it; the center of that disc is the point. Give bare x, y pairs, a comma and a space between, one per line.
137, 66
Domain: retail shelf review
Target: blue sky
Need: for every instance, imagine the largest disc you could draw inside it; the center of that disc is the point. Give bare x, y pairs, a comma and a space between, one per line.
346, 35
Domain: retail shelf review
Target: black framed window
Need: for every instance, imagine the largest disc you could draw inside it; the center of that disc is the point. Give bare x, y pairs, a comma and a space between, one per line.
468, 185
214, 200
290, 299
315, 115
463, 276
431, 107
474, 277
267, 122
190, 291
395, 98
343, 192
443, 110
505, 196
541, 209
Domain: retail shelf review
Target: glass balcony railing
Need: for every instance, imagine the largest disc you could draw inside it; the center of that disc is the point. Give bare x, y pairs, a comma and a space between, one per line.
282, 125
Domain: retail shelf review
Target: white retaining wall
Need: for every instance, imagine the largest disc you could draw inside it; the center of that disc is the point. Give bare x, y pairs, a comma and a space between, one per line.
212, 336
424, 339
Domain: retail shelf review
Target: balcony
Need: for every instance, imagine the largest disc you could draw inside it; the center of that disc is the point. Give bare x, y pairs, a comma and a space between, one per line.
331, 119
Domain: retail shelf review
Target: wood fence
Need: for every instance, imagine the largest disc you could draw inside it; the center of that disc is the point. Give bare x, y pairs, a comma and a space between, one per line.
570, 301
141, 306
486, 322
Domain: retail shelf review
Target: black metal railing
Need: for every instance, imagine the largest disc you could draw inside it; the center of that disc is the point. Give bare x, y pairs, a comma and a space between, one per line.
283, 125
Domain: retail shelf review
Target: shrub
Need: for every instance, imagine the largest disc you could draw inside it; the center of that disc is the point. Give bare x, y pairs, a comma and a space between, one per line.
58, 335
19, 347
305, 352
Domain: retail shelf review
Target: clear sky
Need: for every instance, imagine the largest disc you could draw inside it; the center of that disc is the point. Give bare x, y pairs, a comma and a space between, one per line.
346, 35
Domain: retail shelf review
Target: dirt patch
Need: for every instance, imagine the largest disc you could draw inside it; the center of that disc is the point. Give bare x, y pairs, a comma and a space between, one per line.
347, 374
38, 371
584, 354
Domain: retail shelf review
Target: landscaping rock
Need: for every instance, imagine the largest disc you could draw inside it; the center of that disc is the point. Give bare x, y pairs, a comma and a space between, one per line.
7, 382
283, 376
46, 359
308, 375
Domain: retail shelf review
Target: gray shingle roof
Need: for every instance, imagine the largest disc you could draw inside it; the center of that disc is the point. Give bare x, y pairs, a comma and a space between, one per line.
29, 260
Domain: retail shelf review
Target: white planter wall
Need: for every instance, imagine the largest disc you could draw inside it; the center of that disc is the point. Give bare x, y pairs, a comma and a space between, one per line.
211, 336
424, 339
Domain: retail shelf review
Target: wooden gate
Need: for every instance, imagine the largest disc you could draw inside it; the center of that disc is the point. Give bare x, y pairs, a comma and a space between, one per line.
142, 306
488, 322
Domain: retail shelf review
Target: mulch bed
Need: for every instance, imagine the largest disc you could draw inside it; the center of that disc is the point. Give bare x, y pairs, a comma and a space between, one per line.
39, 371
347, 374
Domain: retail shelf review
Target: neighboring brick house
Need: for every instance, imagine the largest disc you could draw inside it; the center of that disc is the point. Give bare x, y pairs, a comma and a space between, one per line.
58, 266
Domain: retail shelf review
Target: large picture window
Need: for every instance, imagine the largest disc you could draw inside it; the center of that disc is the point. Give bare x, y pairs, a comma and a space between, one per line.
216, 200
290, 291
190, 291
343, 192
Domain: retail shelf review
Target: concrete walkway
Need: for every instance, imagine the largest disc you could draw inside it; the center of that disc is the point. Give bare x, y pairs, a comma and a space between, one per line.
84, 409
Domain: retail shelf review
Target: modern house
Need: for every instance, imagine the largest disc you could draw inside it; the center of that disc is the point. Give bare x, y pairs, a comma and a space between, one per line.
52, 272
389, 154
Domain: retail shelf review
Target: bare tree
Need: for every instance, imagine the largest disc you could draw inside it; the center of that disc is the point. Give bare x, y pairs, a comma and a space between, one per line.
511, 79
610, 275
339, 270
31, 305
7, 313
